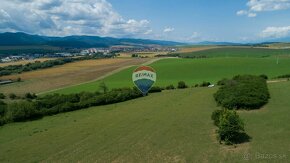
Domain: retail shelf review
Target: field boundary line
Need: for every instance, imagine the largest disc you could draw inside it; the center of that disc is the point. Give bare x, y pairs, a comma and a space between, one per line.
102, 77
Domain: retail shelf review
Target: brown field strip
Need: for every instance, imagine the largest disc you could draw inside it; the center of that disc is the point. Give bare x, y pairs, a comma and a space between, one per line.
194, 49
65, 75
25, 62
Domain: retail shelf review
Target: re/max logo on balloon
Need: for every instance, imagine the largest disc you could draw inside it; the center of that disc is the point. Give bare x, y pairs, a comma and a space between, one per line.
144, 77
144, 74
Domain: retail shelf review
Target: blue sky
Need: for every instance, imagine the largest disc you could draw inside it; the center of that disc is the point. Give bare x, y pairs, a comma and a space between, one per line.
177, 20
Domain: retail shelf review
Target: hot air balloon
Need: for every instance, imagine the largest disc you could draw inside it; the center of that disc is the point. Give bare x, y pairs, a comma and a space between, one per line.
144, 77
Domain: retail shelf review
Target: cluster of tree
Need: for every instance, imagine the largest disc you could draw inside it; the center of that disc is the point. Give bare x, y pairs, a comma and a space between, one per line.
18, 69
55, 103
242, 92
170, 87
194, 56
204, 84
183, 85
230, 127
135, 55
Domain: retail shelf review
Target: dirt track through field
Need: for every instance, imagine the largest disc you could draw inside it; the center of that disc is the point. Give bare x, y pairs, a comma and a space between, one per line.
66, 75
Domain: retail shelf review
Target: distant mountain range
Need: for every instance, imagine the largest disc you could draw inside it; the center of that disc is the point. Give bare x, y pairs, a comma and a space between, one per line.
22, 39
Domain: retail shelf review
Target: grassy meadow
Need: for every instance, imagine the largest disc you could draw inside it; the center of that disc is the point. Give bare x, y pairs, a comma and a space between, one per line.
172, 126
194, 71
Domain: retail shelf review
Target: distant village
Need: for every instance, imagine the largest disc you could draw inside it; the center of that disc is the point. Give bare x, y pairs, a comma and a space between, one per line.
84, 52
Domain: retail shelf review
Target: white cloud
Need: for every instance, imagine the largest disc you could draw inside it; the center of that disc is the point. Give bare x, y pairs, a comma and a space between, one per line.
275, 32
255, 6
268, 5
244, 12
168, 29
68, 17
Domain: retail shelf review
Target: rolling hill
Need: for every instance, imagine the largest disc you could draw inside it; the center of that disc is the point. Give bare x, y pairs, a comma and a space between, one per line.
23, 39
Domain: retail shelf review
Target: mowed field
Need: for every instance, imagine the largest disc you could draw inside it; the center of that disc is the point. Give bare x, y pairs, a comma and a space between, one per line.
66, 75
172, 126
194, 71
238, 52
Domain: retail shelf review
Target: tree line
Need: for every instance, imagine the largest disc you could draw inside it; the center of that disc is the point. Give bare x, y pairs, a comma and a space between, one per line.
18, 69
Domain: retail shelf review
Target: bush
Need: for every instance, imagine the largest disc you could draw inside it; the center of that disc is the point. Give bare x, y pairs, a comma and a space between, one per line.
30, 96
243, 92
223, 81
22, 111
2, 108
155, 89
204, 84
231, 127
264, 76
215, 116
2, 96
181, 85
12, 96
169, 87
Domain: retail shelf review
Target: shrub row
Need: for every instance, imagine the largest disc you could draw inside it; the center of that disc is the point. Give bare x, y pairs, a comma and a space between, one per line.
243, 92
56, 103
283, 76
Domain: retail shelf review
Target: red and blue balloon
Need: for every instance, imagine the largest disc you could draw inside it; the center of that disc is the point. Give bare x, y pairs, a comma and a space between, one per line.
144, 78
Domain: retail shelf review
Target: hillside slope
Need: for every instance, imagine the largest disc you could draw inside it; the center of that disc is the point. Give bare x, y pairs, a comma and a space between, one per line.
172, 126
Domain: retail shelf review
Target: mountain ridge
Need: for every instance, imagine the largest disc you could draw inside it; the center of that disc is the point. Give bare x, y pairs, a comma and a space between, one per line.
76, 41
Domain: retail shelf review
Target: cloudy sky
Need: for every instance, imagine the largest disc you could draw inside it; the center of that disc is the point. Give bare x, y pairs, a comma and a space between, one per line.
178, 20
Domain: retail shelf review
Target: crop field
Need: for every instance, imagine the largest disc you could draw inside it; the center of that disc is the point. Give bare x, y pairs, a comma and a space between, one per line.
238, 52
172, 126
194, 71
188, 49
23, 62
65, 75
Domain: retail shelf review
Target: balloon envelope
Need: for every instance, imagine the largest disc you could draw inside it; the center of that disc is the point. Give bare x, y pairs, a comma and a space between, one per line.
144, 77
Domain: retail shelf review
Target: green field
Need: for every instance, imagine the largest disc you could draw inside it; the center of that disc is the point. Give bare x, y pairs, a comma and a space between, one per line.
172, 126
238, 52
194, 71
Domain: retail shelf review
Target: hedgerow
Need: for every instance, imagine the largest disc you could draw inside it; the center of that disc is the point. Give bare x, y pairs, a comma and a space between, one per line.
56, 103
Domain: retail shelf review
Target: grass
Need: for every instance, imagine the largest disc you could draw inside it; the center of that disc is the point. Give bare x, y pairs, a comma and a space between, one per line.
194, 71
238, 52
172, 126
